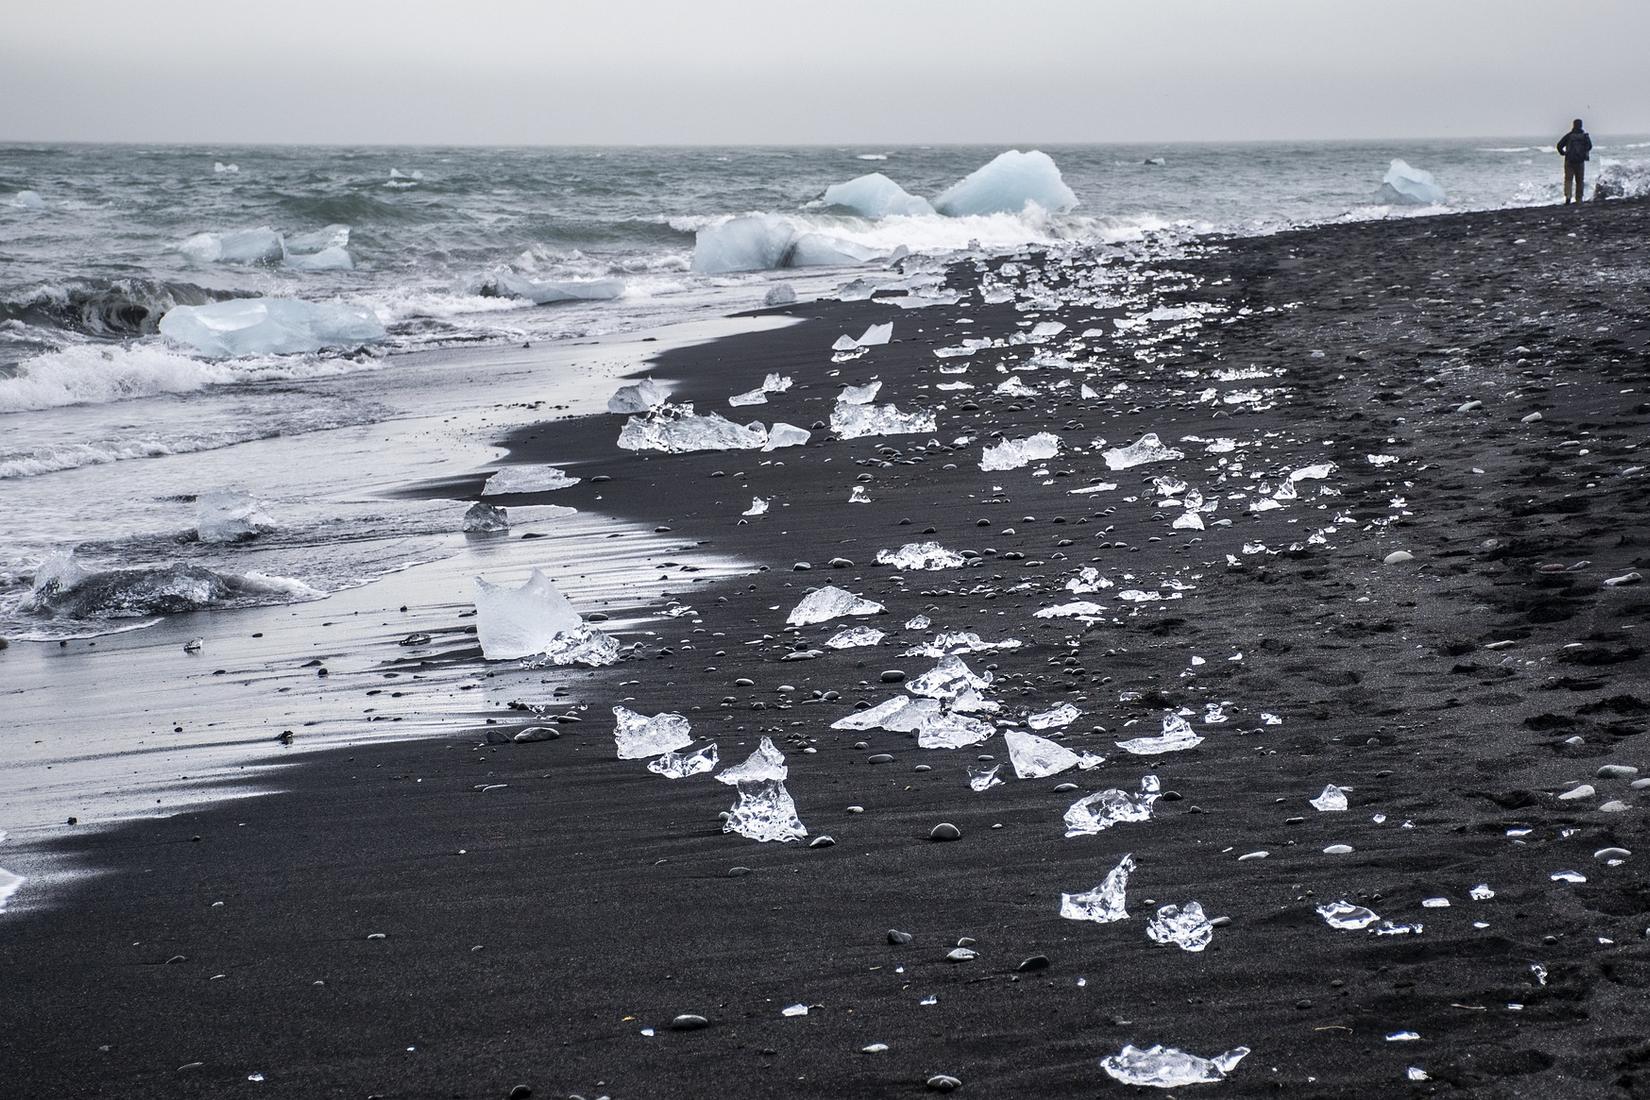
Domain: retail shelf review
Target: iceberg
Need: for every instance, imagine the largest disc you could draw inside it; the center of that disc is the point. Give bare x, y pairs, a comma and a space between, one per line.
765, 812
482, 518
767, 762
228, 515
678, 765
763, 242
856, 421
521, 622
1012, 181
1148, 448
1100, 811
1616, 180
1011, 454
921, 556
1036, 757
824, 604
637, 397
1105, 903
333, 258
676, 429
62, 588
1410, 186
638, 736
507, 284
527, 479
240, 246
269, 326
1164, 1067
875, 196
1177, 736
27, 200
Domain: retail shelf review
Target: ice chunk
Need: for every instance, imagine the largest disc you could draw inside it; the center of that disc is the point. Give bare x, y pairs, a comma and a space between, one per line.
1625, 179
1007, 185
964, 641
876, 334
327, 259
762, 242
859, 395
582, 645
521, 622
676, 429
9, 883
679, 765
27, 200
1148, 448
1345, 916
1011, 454
766, 762
637, 397
1063, 715
786, 435
62, 588
948, 679
901, 714
638, 736
481, 517
921, 556
527, 479
1185, 926
1177, 736
269, 326
1100, 811
982, 777
951, 731
857, 421
1080, 609
875, 196
759, 507
1167, 1068
1331, 800
765, 812
781, 295
1105, 903
1009, 387
773, 383
824, 604
853, 637
507, 284
1036, 757
239, 246
1088, 579
228, 515
1410, 186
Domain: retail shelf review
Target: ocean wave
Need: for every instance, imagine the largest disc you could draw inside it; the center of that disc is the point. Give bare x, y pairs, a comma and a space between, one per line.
105, 308
65, 589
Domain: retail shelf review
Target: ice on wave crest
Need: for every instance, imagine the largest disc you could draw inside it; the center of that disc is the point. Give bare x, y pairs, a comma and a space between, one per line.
508, 284
1410, 186
229, 515
270, 326
875, 196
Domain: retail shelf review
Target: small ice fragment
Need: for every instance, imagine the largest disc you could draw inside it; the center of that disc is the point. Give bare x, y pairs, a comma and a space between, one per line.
676, 429
638, 736
1345, 916
857, 495
1088, 579
765, 812
527, 479
1434, 903
786, 435
766, 762
1177, 736
582, 645
1148, 448
1416, 1073
1185, 926
1079, 609
921, 556
859, 395
1404, 1037
794, 1010
637, 397
1036, 757
1105, 903
1063, 715
876, 334
948, 679
856, 421
1011, 454
1481, 892
483, 517
1312, 473
9, 883
853, 637
823, 604
781, 295
918, 622
982, 777
1100, 811
901, 714
677, 765
759, 507
1167, 1068
521, 622
952, 731
1332, 800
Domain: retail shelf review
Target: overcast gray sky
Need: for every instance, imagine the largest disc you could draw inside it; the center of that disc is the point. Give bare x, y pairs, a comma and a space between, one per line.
717, 71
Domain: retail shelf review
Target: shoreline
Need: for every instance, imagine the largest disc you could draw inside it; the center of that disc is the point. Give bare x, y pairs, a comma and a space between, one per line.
1394, 681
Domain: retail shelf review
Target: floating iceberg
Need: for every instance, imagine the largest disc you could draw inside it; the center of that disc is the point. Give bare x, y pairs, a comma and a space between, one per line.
637, 397
1148, 448
269, 326
767, 762
765, 812
675, 429
856, 421
762, 242
239, 246
1410, 186
1185, 926
527, 479
874, 336
951, 731
1007, 185
228, 515
824, 604
638, 736
1616, 180
1036, 757
678, 765
1105, 903
875, 196
1177, 736
949, 679
507, 284
333, 258
921, 556
1011, 454
1167, 1068
27, 200
521, 622
1099, 812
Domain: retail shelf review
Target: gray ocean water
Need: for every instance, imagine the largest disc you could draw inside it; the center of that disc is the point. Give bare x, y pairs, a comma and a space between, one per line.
108, 427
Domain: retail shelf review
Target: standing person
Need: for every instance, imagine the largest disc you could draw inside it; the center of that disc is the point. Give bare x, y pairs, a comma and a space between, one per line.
1574, 146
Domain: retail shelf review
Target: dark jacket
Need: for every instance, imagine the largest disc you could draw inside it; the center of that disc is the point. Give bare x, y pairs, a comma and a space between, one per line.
1575, 145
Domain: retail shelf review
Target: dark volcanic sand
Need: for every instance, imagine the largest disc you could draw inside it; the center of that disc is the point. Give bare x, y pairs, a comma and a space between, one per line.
532, 931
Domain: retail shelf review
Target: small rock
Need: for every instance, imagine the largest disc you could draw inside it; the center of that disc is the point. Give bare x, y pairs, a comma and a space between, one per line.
1035, 963
1624, 579
1398, 557
520, 1092
944, 1082
1614, 806
738, 872
1617, 771
896, 937
880, 758
945, 831
961, 954
1611, 853
688, 1022
824, 840
1584, 791
893, 676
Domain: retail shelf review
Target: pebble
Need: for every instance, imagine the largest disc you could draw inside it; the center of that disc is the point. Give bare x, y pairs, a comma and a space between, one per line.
945, 831
1583, 791
1612, 853
893, 676
880, 758
944, 1082
961, 954
688, 1022
1617, 771
824, 840
1530, 419
1064, 787
520, 1092
896, 937
1338, 850
1036, 962
1614, 806
738, 872
1398, 557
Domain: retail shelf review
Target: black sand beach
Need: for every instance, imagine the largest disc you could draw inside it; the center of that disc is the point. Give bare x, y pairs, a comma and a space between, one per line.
454, 918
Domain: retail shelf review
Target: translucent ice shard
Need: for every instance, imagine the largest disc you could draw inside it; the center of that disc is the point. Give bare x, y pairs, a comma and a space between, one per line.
858, 495
765, 812
1148, 448
228, 515
948, 679
766, 762
982, 777
962, 641
527, 479
786, 435
637, 397
270, 326
856, 421
859, 395
1099, 812
1185, 926
1164, 1067
583, 645
521, 622
1079, 609
1345, 916
759, 507
921, 555
1088, 579
9, 883
876, 334
1316, 472
1011, 454
1177, 735
675, 429
824, 604
1063, 715
773, 383
480, 517
680, 765
1105, 903
1036, 757
853, 637
639, 736
901, 714
1331, 800
951, 731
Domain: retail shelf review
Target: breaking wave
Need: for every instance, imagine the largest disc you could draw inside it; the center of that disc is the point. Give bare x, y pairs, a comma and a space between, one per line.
106, 308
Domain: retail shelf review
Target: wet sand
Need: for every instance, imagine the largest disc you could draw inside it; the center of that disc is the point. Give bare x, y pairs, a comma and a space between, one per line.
448, 917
